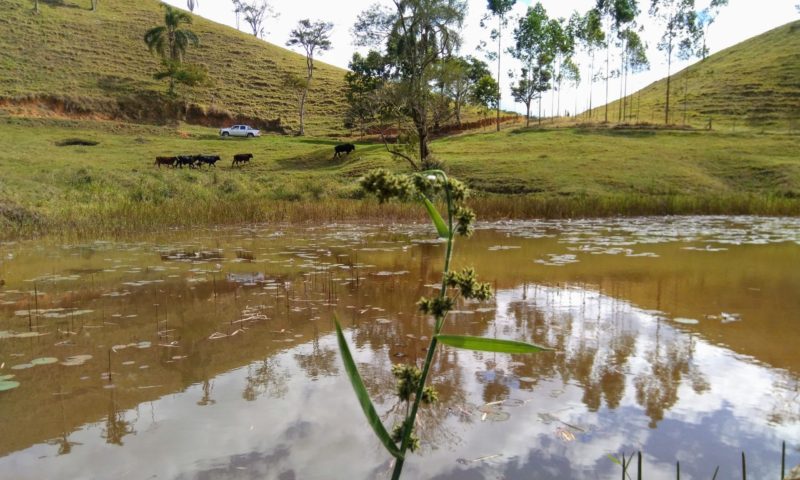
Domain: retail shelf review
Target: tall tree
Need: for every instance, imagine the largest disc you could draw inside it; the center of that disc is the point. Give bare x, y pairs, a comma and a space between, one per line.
94, 5
706, 17
313, 37
192, 4
681, 34
36, 6
534, 48
415, 35
499, 9
561, 37
255, 13
618, 14
170, 41
238, 8
635, 60
591, 36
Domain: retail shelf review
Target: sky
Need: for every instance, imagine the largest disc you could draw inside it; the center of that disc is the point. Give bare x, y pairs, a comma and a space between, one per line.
739, 21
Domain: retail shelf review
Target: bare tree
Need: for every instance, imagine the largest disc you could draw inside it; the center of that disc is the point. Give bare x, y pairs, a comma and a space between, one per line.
312, 37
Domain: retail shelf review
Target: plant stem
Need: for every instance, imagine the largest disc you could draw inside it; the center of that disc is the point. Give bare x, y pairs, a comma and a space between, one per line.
408, 427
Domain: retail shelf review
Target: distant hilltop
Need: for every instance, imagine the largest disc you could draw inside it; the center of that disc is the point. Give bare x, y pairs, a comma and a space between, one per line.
755, 84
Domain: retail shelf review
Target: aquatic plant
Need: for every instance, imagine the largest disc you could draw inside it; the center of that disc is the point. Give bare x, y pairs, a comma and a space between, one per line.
426, 187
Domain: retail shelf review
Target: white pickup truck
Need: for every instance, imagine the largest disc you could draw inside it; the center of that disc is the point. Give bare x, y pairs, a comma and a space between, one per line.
240, 131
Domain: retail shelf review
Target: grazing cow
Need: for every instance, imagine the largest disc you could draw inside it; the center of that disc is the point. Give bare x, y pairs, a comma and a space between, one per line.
185, 160
210, 160
343, 148
241, 158
168, 161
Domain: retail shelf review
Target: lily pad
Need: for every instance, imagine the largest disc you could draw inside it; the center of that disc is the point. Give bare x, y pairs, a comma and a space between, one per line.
44, 361
6, 377
22, 366
8, 385
498, 416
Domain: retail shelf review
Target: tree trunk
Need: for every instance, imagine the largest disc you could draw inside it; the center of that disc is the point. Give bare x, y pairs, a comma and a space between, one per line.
527, 114
608, 58
303, 111
669, 78
422, 132
558, 102
621, 115
685, 95
591, 84
625, 97
499, 90
94, 5
540, 110
36, 6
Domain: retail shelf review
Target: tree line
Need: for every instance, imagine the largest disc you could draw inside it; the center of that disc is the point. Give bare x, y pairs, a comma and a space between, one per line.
414, 79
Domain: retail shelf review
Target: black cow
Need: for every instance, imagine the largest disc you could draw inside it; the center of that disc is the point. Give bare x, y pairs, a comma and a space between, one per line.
187, 160
343, 148
168, 161
209, 160
241, 158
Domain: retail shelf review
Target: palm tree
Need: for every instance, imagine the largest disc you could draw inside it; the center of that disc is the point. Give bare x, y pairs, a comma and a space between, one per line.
170, 41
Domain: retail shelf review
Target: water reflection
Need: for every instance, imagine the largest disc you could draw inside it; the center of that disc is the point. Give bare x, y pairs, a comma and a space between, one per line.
228, 337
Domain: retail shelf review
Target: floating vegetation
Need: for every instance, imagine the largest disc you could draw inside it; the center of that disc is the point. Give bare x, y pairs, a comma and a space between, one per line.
6, 377
557, 260
76, 360
8, 385
22, 366
44, 361
685, 321
707, 248
729, 317
53, 312
498, 248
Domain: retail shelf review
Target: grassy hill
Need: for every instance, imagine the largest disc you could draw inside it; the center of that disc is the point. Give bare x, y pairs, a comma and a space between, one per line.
70, 60
753, 84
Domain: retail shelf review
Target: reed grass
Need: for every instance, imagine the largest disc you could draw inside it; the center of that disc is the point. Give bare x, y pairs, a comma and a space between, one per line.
624, 464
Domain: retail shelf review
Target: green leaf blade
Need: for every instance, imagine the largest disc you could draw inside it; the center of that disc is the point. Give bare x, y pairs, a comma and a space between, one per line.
436, 217
363, 396
490, 344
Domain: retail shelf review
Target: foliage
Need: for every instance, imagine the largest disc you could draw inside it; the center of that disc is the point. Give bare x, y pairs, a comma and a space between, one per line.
486, 93
535, 47
415, 37
170, 41
365, 79
312, 37
410, 385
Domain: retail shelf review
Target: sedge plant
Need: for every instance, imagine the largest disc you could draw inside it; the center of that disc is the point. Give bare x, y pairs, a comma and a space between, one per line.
458, 219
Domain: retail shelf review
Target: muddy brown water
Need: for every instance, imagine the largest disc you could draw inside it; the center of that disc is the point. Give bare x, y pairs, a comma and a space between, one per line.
210, 354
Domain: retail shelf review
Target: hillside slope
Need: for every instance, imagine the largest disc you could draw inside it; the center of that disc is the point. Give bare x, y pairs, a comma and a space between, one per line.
754, 84
69, 59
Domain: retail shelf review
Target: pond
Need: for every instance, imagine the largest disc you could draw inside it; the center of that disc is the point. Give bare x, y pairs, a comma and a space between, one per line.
211, 354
